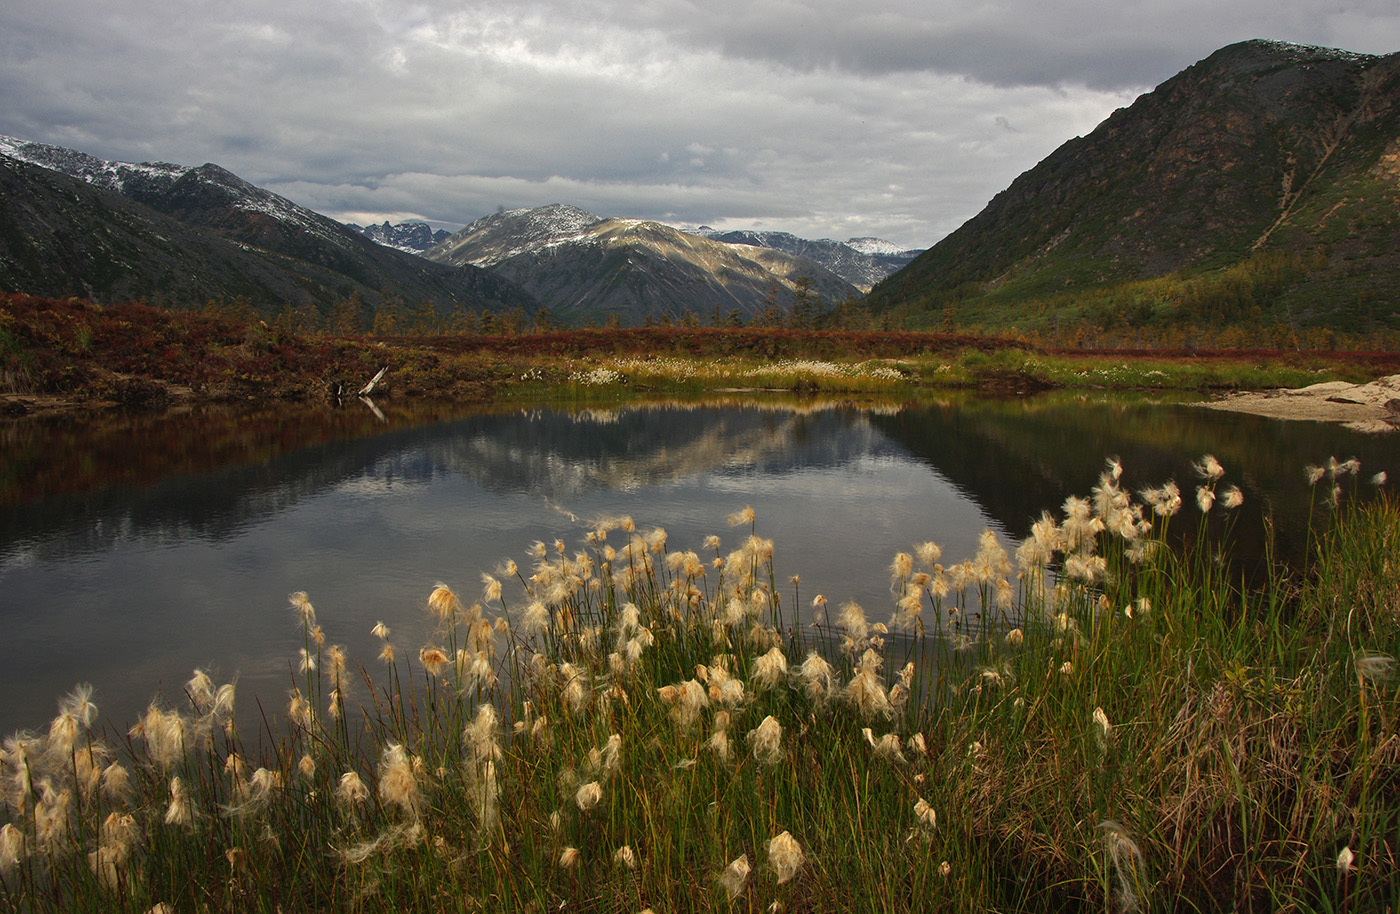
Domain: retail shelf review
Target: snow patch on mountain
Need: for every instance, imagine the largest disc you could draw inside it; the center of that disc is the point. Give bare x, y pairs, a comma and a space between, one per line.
409, 237
518, 231
875, 246
150, 182
113, 176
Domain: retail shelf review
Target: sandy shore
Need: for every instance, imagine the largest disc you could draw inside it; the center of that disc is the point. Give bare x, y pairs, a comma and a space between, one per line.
1373, 407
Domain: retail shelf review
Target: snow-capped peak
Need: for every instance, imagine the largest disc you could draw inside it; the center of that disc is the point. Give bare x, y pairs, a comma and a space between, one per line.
875, 246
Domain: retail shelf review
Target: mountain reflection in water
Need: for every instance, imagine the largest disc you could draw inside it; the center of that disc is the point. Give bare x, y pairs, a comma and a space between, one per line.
131, 554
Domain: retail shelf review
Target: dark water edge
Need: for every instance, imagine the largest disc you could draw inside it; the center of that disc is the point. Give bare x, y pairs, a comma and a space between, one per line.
133, 551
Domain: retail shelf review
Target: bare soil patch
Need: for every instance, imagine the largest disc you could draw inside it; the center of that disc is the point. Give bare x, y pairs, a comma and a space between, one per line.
1371, 407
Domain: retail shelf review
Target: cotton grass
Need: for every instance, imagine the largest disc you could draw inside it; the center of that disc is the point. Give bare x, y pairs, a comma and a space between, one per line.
652, 721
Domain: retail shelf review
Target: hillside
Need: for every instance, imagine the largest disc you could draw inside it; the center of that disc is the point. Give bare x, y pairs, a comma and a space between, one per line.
74, 224
1259, 185
583, 267
860, 261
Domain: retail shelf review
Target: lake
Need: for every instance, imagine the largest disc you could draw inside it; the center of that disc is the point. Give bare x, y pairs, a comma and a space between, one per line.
133, 550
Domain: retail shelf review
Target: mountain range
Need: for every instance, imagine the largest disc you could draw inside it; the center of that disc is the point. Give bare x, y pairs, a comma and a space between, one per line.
1261, 183
409, 237
1259, 186
583, 267
862, 262
73, 224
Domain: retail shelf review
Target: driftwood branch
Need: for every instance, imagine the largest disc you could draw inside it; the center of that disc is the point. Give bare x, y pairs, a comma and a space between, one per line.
369, 388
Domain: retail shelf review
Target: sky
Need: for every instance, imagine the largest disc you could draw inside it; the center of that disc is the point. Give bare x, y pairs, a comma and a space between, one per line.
897, 119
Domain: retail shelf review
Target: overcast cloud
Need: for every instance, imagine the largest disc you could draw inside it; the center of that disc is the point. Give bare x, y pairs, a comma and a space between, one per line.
826, 118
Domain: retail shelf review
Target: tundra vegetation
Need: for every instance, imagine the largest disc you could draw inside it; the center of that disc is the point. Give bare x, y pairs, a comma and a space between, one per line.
1109, 715
134, 355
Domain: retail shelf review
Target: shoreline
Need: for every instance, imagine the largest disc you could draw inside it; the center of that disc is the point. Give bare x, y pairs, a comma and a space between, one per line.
1373, 407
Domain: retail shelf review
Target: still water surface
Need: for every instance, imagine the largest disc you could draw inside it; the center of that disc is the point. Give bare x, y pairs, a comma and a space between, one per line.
132, 553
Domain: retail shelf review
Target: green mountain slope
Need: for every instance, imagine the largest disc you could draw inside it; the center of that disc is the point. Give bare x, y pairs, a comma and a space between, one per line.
1260, 184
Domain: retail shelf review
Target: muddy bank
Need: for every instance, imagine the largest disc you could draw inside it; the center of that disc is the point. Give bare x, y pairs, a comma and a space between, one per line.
1372, 407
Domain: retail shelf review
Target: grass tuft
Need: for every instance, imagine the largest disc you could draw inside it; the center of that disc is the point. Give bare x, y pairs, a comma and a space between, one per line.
1101, 719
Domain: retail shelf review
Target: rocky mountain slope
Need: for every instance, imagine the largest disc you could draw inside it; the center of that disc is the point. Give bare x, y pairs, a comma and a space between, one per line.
409, 237
1276, 161
860, 261
581, 266
103, 229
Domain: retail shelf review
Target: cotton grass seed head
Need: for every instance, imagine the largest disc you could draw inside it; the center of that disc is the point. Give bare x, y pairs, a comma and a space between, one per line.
351, 790
305, 612
1103, 730
1374, 667
588, 796
735, 876
1125, 857
1209, 468
767, 741
769, 670
443, 603
785, 856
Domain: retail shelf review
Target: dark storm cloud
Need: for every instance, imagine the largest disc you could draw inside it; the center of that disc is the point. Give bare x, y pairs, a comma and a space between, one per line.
835, 118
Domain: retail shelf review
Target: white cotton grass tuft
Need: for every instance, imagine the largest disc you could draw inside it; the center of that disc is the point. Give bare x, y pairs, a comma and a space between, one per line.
610, 758
1125, 857
588, 796
433, 660
1346, 860
686, 700
14, 848
1103, 730
769, 670
398, 782
443, 603
115, 783
1373, 667
853, 620
767, 741
817, 679
351, 790
735, 876
886, 747
785, 856
166, 734
866, 690
1209, 468
305, 612
180, 812
718, 743
925, 814
480, 736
